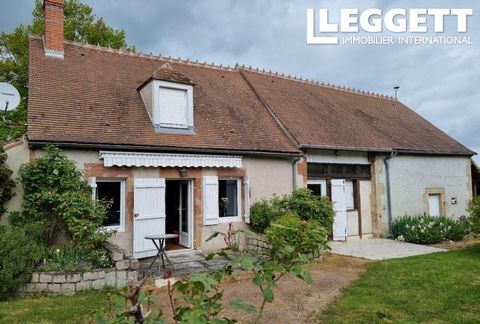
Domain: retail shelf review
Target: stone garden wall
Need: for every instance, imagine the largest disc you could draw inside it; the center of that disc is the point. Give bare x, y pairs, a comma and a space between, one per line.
257, 243
126, 269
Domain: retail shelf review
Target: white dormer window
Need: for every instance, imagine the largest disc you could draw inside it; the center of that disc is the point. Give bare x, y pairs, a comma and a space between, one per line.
170, 105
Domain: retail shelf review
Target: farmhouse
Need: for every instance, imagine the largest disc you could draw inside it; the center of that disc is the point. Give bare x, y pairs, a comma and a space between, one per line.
184, 147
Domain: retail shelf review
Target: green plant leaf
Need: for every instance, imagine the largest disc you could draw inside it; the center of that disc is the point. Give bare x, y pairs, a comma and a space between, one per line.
268, 294
240, 305
307, 277
257, 280
247, 264
212, 236
210, 256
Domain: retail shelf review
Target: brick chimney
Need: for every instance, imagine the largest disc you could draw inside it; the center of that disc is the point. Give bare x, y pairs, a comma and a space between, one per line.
53, 32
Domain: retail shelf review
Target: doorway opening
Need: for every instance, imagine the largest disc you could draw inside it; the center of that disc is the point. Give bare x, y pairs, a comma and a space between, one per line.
179, 211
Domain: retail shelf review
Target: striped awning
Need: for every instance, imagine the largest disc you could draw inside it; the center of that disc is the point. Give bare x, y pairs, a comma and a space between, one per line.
139, 159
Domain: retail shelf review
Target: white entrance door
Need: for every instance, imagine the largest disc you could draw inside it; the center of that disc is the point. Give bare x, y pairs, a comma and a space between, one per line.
184, 213
339, 205
149, 214
434, 205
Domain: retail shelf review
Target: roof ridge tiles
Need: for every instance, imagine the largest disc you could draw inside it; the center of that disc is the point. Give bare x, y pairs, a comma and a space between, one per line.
186, 61
237, 66
317, 83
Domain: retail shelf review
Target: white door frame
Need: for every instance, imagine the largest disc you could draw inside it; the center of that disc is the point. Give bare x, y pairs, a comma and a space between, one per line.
190, 210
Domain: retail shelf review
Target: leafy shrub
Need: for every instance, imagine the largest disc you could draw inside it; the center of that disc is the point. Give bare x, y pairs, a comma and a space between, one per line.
309, 206
6, 183
57, 202
263, 212
75, 258
18, 257
456, 229
427, 229
304, 237
474, 218
198, 299
301, 202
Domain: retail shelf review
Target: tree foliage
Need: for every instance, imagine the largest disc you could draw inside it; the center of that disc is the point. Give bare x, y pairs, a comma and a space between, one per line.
474, 218
80, 24
6, 182
57, 202
18, 255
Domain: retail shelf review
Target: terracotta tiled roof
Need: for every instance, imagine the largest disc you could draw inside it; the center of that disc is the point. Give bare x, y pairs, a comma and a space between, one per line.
91, 97
323, 116
167, 73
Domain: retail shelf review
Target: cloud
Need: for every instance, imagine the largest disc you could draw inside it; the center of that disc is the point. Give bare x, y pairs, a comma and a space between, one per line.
14, 13
439, 82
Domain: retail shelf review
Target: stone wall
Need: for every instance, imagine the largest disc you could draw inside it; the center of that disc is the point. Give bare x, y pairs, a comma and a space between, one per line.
125, 270
257, 243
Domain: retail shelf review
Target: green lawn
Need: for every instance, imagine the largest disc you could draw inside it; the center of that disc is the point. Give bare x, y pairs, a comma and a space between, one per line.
57, 309
435, 288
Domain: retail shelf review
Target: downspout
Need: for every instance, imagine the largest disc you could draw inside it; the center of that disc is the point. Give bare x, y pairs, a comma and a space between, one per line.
294, 172
386, 160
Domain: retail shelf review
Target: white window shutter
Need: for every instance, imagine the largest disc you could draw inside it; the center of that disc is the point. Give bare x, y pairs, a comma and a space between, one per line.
92, 182
349, 195
210, 200
246, 194
339, 206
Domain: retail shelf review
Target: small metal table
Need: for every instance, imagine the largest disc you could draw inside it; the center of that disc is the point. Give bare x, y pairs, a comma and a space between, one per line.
161, 247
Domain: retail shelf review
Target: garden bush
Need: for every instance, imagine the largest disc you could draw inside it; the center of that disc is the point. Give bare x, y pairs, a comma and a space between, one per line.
309, 206
18, 257
301, 202
304, 237
57, 202
474, 218
263, 212
427, 229
6, 183
57, 208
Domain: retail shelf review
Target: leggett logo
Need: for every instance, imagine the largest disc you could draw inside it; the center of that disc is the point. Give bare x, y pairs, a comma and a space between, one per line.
393, 21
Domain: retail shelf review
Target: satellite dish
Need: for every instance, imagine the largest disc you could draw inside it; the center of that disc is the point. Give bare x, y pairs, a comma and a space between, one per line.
9, 97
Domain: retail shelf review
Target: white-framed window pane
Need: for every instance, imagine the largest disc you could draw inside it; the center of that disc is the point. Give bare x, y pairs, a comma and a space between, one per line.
316, 188
173, 107
349, 193
228, 198
111, 193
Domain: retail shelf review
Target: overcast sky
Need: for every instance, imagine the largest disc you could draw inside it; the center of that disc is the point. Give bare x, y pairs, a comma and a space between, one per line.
439, 82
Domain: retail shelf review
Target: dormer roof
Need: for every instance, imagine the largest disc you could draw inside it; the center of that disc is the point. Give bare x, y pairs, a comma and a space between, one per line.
166, 72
